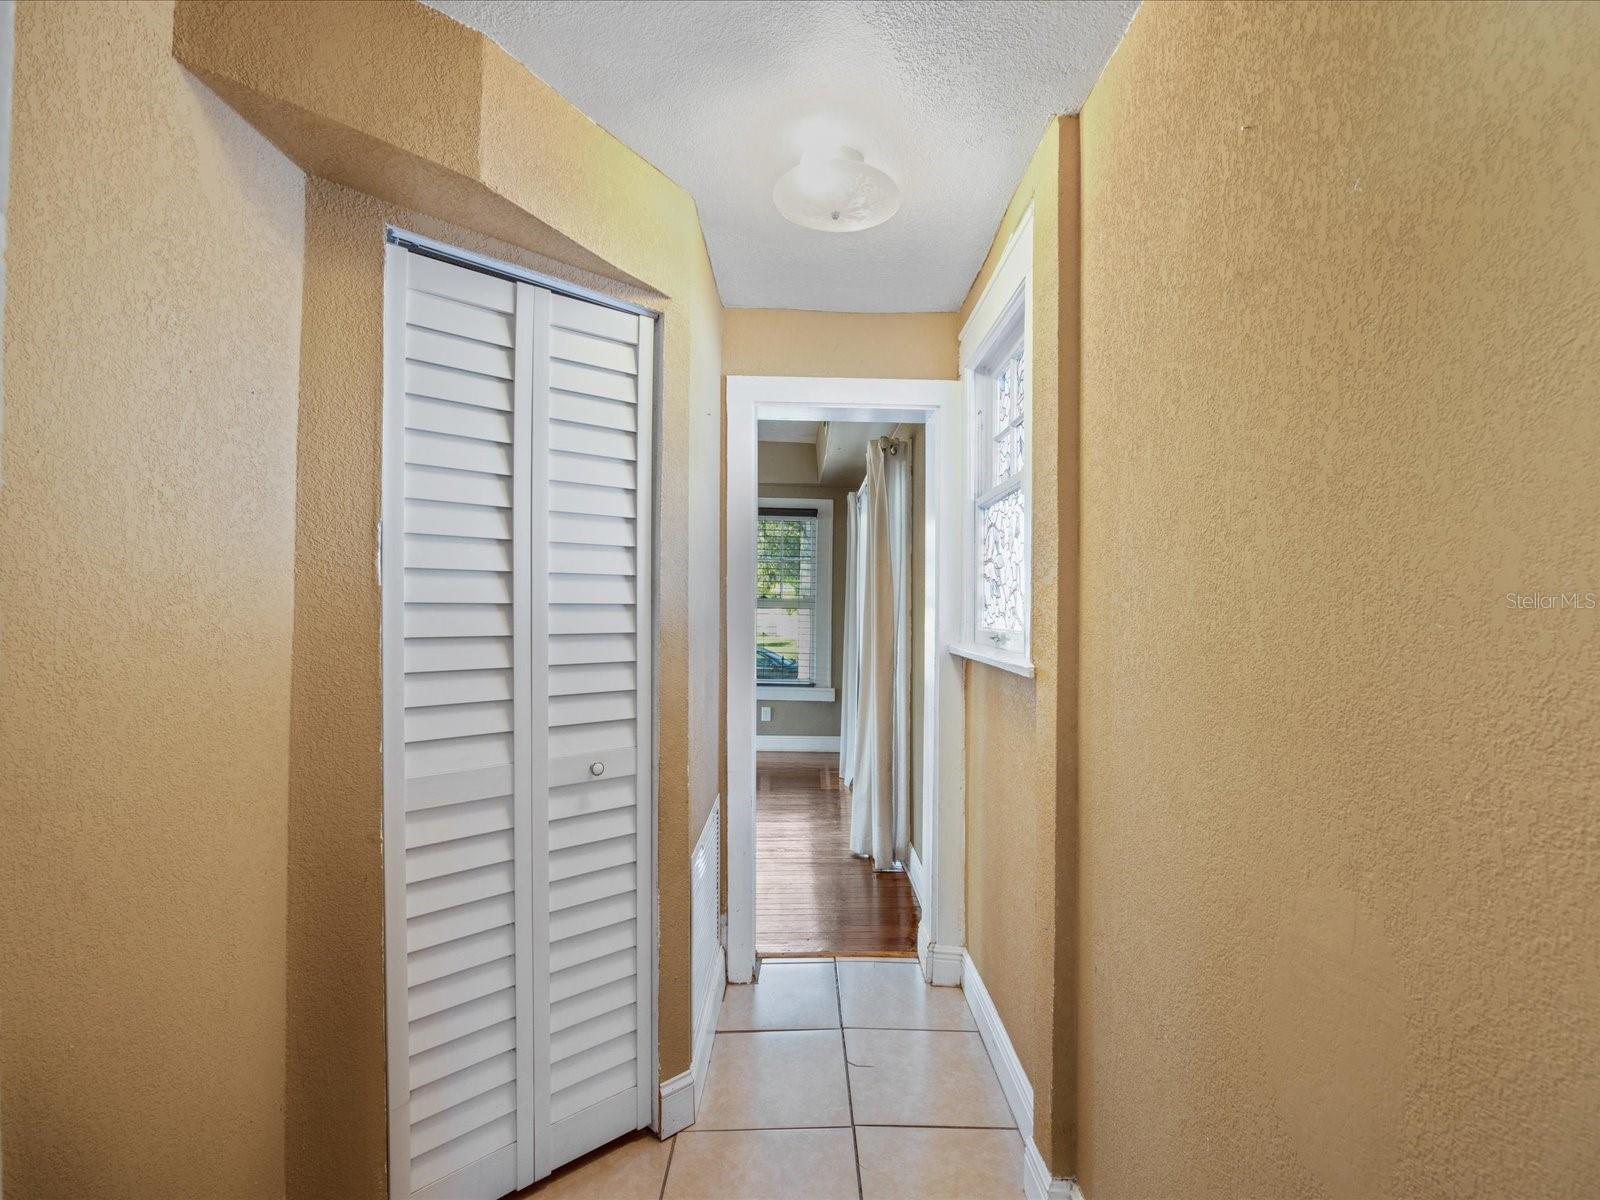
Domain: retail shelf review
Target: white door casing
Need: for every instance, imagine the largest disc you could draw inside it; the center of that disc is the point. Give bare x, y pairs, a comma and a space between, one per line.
935, 403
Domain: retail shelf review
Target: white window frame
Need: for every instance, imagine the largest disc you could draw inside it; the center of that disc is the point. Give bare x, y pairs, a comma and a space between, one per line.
822, 691
987, 340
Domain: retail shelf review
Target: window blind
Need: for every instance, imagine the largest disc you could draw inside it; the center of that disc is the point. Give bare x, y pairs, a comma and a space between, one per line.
787, 575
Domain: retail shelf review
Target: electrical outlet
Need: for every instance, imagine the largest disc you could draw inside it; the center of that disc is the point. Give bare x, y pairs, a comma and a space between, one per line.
766, 713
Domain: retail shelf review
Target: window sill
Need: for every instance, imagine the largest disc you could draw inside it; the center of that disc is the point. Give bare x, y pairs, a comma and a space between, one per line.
820, 695
1003, 659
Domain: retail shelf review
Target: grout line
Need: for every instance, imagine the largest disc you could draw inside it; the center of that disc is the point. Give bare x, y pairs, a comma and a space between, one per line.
771, 1129
672, 1153
977, 1128
849, 1097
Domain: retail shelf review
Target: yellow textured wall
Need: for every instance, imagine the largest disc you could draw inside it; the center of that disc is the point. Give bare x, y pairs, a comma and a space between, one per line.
146, 562
786, 341
1341, 802
1021, 770
483, 144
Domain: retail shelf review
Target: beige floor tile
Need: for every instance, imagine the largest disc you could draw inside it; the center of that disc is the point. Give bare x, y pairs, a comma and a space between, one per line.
940, 1164
880, 995
765, 1164
632, 1169
918, 1077
789, 996
780, 1080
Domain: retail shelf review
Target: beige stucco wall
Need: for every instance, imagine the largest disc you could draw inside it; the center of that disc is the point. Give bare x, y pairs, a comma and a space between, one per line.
476, 141
1021, 771
787, 341
779, 463
1341, 802
146, 567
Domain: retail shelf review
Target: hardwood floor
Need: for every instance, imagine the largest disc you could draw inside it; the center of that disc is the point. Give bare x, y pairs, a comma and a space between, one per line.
812, 897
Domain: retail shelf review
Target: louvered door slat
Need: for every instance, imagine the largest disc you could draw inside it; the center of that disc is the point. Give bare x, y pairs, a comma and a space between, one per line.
594, 885
593, 498
568, 1014
464, 320
593, 410
579, 380
592, 648
463, 1085
436, 929
462, 1020
456, 453
592, 796
593, 1032
453, 483
458, 387
480, 1046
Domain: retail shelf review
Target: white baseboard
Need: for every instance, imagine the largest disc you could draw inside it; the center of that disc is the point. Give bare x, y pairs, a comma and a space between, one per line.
918, 875
1037, 1183
706, 1026
1014, 1084
1013, 1079
677, 1105
943, 966
681, 1095
796, 743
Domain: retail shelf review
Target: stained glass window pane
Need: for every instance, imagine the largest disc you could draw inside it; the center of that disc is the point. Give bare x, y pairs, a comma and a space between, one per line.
1005, 429
1004, 392
1002, 533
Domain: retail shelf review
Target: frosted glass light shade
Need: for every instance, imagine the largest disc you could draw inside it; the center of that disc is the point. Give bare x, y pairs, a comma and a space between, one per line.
836, 192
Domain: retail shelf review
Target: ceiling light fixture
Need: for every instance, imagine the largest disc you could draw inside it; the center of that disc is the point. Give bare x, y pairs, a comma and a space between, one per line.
836, 192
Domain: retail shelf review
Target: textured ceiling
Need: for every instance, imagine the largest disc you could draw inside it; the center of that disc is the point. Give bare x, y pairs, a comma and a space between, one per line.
949, 96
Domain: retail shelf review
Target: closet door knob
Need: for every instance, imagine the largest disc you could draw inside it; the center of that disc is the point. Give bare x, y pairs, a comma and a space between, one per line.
596, 768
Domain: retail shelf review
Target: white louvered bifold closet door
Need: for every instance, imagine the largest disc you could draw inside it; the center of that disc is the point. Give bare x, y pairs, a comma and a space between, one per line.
595, 983
517, 728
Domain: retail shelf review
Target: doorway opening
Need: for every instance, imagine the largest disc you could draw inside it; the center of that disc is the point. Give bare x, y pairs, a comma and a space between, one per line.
838, 689
836, 744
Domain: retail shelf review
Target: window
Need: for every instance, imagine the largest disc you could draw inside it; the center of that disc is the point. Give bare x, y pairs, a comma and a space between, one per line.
994, 365
794, 580
1002, 526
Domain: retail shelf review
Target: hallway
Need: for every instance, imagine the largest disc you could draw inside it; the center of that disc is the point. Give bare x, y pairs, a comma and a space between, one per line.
812, 897
830, 1079
500, 498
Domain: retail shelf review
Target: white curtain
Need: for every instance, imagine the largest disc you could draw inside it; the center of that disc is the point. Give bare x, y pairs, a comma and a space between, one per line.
851, 676
880, 795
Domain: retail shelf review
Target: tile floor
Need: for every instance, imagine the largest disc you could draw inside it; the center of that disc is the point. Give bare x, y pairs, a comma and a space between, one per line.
830, 1080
